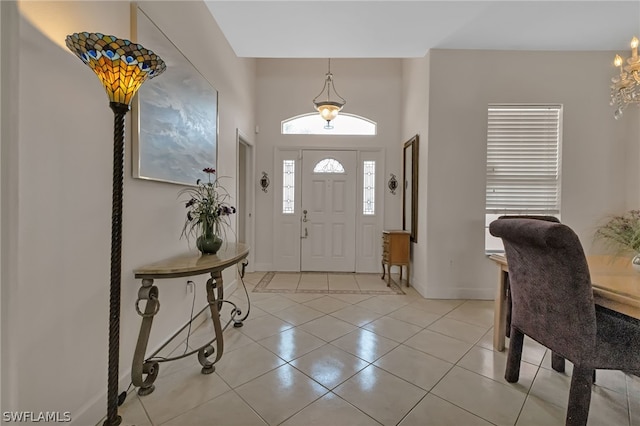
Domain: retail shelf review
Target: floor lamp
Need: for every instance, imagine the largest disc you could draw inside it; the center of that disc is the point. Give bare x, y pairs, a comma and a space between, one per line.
122, 67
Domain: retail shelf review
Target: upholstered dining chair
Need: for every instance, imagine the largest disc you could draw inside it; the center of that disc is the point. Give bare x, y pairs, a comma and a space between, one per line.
553, 304
557, 364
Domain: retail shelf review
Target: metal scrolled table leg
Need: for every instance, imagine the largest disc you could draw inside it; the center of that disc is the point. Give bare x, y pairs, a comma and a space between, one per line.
147, 292
215, 304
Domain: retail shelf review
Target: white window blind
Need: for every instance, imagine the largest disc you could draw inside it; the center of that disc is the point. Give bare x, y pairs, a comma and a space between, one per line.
523, 159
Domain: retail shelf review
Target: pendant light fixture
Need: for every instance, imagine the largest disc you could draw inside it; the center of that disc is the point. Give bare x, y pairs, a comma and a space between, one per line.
328, 108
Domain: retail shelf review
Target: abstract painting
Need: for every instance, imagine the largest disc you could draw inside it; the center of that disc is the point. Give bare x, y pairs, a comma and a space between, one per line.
175, 117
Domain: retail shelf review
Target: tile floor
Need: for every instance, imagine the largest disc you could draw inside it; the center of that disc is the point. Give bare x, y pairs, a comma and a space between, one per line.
349, 359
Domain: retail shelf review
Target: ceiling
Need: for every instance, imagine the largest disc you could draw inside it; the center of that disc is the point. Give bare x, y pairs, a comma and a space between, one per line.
405, 29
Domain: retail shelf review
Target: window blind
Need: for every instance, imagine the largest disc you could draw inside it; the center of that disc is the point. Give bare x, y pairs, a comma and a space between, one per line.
523, 159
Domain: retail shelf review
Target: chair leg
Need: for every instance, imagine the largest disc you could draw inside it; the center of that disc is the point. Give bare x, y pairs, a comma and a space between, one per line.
512, 373
507, 331
579, 396
557, 362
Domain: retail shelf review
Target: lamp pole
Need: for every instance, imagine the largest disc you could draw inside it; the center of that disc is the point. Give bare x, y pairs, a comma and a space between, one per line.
122, 67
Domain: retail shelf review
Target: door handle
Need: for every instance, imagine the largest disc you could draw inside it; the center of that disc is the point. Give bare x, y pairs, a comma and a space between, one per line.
306, 233
304, 216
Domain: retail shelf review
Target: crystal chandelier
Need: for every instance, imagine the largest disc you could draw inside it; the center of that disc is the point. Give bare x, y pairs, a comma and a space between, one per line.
328, 109
625, 88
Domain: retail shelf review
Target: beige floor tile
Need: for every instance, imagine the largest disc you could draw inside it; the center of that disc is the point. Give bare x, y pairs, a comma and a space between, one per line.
382, 304
532, 351
392, 329
552, 387
280, 393
342, 281
286, 276
180, 392
477, 312
381, 395
537, 412
253, 277
330, 410
458, 329
356, 315
302, 297
371, 282
275, 304
434, 411
365, 344
264, 326
493, 364
608, 408
240, 366
311, 281
441, 346
633, 396
259, 297
227, 409
328, 328
327, 304
329, 365
233, 338
351, 298
298, 314
436, 306
132, 411
292, 343
277, 284
415, 316
414, 366
493, 401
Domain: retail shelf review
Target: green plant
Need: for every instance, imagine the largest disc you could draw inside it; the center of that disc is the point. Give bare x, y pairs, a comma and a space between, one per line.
208, 208
621, 233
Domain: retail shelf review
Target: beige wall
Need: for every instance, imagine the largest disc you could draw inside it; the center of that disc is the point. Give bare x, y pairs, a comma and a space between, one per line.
57, 349
415, 120
599, 154
286, 87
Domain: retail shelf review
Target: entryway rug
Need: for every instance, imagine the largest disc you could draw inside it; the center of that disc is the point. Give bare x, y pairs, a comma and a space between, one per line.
336, 283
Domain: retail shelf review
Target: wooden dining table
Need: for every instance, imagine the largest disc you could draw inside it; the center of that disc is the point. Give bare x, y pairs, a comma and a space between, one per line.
616, 286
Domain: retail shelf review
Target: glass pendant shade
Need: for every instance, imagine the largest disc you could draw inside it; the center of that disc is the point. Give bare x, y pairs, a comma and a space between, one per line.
328, 108
121, 66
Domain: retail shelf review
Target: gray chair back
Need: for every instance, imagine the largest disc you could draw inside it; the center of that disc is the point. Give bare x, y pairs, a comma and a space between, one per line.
550, 285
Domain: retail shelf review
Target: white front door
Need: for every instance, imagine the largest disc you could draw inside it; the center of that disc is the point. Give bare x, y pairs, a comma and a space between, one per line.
328, 227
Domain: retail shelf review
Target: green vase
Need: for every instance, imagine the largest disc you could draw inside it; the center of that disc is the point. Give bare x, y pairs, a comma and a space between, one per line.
209, 244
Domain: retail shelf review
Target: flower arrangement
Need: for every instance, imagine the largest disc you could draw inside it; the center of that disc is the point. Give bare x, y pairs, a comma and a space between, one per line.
621, 232
208, 211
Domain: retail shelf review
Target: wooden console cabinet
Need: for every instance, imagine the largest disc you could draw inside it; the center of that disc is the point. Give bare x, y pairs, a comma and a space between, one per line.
395, 251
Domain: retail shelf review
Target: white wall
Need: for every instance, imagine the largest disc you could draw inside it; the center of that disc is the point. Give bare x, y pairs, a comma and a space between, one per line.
57, 351
415, 120
286, 87
599, 154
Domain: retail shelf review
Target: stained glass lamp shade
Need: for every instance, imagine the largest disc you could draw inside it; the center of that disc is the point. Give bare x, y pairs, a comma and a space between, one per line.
122, 67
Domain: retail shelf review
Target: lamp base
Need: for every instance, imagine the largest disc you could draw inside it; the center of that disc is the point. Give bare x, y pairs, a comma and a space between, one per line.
116, 422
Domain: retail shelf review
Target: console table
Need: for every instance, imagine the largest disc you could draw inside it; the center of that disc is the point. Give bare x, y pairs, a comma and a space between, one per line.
184, 265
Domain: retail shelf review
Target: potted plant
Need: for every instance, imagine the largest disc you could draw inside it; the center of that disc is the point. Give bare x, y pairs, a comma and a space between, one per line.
208, 213
622, 234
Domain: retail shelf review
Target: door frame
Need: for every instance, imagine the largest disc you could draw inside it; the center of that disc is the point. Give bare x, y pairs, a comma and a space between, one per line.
249, 192
365, 262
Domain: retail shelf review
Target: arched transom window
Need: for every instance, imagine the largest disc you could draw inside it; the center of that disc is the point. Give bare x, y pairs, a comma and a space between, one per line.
343, 124
328, 165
